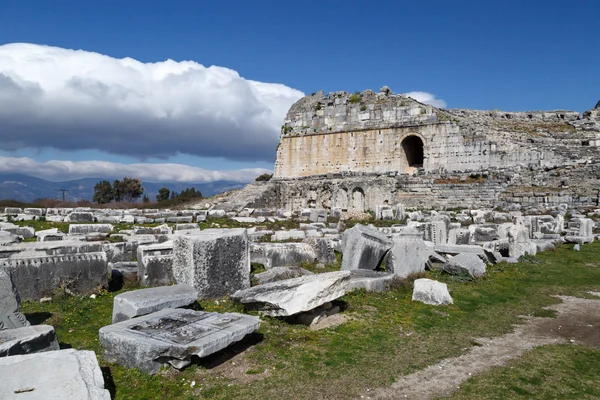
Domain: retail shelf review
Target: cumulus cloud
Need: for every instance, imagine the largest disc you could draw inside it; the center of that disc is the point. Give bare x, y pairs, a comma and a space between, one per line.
55, 170
74, 99
427, 98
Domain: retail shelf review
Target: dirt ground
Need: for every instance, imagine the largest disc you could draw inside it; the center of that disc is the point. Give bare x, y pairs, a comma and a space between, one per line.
577, 321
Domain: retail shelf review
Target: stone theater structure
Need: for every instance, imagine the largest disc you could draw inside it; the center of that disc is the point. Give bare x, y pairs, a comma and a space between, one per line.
357, 151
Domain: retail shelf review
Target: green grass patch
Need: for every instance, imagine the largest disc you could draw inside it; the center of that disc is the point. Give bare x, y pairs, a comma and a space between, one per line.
386, 336
547, 372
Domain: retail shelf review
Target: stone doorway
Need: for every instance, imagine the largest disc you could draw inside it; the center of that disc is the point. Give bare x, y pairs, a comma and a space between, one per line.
413, 150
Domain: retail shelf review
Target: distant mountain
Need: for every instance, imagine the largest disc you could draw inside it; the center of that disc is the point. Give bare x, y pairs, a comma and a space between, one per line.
27, 188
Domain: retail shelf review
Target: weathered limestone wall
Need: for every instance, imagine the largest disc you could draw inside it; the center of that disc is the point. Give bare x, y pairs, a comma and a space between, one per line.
370, 133
510, 189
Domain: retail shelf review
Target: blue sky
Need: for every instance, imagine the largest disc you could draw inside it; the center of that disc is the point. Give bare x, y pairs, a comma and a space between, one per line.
511, 55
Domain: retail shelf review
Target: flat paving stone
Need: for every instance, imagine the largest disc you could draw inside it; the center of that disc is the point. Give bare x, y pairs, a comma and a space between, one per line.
173, 336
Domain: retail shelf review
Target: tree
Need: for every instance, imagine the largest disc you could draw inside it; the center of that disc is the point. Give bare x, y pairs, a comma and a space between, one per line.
117, 191
163, 194
145, 199
103, 192
173, 195
128, 189
188, 194
264, 178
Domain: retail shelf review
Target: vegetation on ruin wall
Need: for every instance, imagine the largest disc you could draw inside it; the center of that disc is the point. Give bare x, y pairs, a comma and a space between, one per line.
387, 335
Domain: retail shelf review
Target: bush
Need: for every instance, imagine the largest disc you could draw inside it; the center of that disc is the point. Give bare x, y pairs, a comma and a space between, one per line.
264, 178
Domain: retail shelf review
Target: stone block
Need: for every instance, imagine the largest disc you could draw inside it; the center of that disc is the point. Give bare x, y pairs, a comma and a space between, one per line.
36, 276
61, 374
296, 295
146, 301
431, 292
465, 264
154, 230
371, 281
216, 261
288, 235
77, 216
10, 303
281, 254
172, 336
27, 339
408, 255
83, 229
363, 248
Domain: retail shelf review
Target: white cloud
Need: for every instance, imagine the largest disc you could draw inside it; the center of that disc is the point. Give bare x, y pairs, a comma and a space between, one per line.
73, 100
55, 170
427, 98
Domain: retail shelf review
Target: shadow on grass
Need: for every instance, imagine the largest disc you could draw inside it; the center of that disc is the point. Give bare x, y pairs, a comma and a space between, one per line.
64, 345
109, 383
222, 356
38, 318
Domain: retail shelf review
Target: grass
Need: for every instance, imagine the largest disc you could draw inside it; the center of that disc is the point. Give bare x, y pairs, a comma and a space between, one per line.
548, 372
387, 335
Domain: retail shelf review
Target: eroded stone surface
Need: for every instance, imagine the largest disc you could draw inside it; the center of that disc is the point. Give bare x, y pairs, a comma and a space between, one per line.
363, 248
465, 264
296, 295
10, 303
431, 292
172, 336
215, 261
61, 374
146, 301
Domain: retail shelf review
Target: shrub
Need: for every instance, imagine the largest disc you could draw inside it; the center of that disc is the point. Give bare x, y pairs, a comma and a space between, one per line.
264, 178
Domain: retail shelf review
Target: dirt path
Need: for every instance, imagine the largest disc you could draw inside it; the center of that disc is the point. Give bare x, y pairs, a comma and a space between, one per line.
578, 321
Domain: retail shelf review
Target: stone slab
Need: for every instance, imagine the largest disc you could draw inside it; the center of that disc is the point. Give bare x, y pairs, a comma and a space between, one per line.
172, 336
295, 295
146, 301
61, 374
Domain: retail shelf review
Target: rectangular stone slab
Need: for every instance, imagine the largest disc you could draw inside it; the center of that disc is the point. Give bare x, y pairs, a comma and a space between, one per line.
61, 374
172, 336
146, 301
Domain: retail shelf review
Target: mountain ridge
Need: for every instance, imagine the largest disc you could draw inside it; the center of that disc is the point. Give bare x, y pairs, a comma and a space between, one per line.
28, 188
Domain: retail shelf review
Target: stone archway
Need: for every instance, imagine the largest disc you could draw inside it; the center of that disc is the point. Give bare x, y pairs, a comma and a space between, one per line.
358, 199
413, 150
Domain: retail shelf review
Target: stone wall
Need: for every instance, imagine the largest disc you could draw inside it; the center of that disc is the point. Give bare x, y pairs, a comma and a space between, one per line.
382, 133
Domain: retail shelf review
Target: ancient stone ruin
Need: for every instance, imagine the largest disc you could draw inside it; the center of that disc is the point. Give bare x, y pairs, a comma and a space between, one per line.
451, 190
364, 150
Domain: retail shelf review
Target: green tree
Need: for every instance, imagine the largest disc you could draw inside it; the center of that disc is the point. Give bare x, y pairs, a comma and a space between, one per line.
146, 199
103, 192
163, 194
128, 189
188, 194
117, 191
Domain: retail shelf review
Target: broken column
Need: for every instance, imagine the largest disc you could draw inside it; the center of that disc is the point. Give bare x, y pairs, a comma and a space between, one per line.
216, 261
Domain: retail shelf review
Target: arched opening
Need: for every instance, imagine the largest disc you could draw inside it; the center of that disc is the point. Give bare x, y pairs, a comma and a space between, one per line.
413, 149
358, 199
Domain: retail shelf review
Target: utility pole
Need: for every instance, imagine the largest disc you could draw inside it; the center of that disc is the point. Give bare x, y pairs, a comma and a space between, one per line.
63, 194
